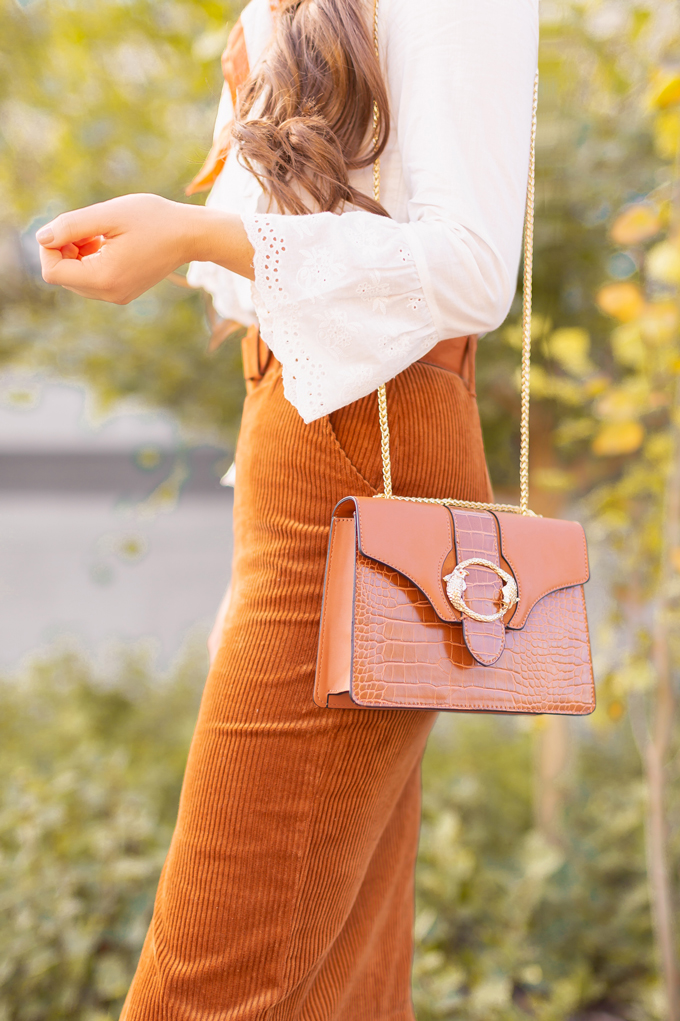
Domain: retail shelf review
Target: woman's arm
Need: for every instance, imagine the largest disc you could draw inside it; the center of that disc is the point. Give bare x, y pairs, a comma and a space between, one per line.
116, 250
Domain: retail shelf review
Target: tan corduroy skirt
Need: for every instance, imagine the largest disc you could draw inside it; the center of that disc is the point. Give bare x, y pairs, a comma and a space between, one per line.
288, 889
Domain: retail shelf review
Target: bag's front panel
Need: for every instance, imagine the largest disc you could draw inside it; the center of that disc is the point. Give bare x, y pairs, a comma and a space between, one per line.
405, 655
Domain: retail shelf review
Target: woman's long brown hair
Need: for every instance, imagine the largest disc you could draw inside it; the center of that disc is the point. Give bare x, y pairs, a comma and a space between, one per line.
305, 118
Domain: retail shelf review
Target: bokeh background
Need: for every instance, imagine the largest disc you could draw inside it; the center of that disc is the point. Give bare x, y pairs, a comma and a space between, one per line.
550, 856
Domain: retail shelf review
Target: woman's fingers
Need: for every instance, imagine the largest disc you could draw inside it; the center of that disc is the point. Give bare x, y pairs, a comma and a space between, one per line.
89, 246
70, 251
76, 225
67, 241
57, 269
90, 277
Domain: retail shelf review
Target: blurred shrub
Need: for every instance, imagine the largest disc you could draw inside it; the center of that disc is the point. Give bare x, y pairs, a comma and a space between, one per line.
92, 763
509, 926
97, 100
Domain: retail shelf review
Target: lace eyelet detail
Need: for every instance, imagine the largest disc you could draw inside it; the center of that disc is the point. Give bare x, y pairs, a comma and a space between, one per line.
339, 308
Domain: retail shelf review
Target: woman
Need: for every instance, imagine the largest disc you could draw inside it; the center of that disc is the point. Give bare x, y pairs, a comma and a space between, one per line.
288, 888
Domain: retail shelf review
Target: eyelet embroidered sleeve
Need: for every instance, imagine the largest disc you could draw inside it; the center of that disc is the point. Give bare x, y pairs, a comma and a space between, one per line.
339, 303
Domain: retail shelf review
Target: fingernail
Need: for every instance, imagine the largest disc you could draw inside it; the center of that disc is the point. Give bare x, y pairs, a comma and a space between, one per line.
45, 235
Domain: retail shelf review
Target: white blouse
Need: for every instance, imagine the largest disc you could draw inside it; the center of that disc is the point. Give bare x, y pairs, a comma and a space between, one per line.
347, 301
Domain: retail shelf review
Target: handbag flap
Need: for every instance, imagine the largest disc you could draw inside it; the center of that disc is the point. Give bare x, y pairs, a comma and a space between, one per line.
413, 538
544, 554
416, 539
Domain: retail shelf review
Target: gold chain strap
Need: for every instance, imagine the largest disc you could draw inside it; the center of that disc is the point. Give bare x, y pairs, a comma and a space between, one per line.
526, 313
526, 333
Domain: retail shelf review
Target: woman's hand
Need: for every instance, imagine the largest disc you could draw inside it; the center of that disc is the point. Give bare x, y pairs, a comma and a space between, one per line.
118, 249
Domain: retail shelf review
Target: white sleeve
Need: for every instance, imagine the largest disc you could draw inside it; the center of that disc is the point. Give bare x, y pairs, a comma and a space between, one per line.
347, 302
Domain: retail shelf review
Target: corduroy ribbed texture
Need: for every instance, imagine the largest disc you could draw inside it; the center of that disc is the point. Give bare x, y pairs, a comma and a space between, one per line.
287, 892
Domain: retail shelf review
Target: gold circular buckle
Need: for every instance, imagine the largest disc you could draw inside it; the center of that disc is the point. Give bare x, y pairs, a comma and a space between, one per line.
456, 585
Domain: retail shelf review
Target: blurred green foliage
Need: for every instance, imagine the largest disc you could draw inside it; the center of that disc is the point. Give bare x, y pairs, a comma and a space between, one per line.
512, 925
508, 925
92, 763
98, 100
598, 148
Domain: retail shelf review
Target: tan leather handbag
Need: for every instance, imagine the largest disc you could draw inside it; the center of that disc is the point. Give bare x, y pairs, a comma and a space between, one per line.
443, 604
